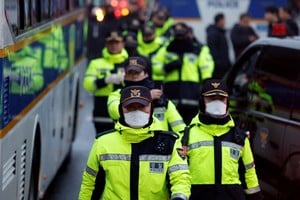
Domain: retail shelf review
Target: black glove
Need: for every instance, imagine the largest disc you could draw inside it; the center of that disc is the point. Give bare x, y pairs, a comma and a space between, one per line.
161, 102
172, 66
99, 83
254, 196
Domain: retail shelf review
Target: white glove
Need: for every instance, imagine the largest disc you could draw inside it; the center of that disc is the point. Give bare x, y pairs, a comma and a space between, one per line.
114, 79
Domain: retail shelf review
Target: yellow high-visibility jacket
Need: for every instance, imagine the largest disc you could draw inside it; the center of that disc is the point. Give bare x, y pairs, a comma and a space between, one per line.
142, 164
214, 151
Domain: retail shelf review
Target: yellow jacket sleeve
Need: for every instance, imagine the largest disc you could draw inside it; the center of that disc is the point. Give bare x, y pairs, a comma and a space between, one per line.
250, 174
113, 102
89, 175
90, 77
158, 62
174, 119
206, 63
179, 174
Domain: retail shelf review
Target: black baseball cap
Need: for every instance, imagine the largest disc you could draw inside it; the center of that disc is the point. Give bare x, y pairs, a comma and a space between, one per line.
130, 39
114, 35
148, 30
137, 64
135, 94
214, 87
180, 29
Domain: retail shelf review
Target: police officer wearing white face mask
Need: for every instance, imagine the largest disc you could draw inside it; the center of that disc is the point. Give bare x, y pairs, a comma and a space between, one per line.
216, 148
125, 162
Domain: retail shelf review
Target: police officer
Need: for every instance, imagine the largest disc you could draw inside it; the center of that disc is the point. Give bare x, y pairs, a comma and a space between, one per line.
136, 73
163, 22
143, 162
148, 45
131, 45
103, 76
215, 148
184, 65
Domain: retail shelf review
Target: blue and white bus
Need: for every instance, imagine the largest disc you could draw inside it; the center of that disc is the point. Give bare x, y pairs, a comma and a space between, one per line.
41, 58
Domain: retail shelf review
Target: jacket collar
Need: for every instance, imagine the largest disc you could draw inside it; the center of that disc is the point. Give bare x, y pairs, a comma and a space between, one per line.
213, 126
115, 58
136, 135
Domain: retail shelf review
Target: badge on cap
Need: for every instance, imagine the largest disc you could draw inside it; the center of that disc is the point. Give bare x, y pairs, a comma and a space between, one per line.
215, 85
135, 93
114, 34
133, 62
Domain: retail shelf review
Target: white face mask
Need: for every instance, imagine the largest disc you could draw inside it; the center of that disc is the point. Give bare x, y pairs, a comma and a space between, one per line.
216, 107
136, 119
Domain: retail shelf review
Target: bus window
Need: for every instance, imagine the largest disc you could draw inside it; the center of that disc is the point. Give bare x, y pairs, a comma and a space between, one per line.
70, 5
19, 15
81, 3
57, 8
11, 10
53, 11
25, 20
61, 6
35, 11
45, 10
73, 4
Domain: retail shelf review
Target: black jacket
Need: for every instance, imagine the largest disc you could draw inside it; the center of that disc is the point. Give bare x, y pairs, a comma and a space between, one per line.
239, 36
218, 45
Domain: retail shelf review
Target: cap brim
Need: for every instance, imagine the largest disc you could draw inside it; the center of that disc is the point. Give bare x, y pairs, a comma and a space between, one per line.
119, 39
148, 33
139, 100
134, 68
215, 93
180, 33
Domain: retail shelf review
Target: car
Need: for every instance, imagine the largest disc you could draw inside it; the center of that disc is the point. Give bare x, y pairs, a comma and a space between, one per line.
264, 86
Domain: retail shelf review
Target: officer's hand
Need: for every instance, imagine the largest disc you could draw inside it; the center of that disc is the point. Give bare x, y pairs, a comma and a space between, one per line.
156, 94
172, 66
114, 79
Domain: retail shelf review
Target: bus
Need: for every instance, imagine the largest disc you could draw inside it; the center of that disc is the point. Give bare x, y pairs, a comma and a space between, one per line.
42, 59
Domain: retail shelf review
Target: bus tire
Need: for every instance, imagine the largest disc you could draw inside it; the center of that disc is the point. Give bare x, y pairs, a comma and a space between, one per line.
75, 119
35, 168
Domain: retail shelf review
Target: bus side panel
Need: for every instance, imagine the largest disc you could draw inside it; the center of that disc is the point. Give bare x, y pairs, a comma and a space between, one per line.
16, 162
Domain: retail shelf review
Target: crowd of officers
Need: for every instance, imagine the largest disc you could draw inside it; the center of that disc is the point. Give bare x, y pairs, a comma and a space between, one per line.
163, 129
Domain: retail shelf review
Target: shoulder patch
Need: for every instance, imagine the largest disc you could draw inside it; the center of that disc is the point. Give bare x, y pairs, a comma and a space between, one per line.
104, 133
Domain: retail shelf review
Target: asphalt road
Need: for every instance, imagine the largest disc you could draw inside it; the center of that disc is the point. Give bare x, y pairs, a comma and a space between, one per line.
66, 184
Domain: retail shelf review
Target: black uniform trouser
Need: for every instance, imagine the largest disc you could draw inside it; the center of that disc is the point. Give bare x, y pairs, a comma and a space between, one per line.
217, 192
101, 119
